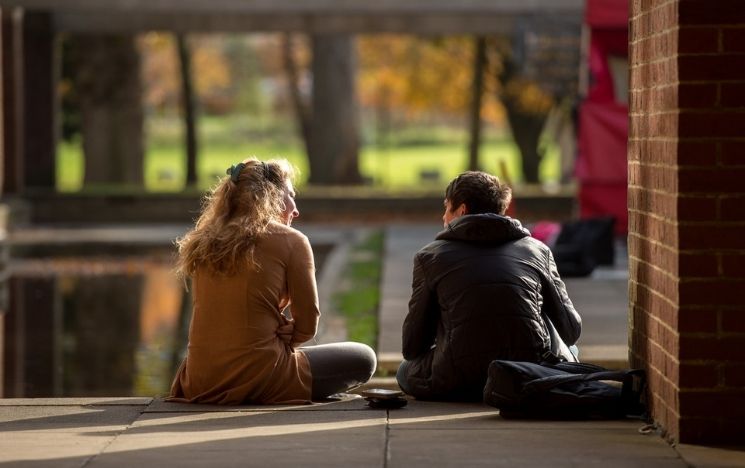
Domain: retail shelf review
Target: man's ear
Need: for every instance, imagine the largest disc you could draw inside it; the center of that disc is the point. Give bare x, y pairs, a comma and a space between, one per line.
462, 209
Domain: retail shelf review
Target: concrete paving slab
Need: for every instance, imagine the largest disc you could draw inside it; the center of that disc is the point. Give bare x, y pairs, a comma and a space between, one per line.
344, 402
61, 418
54, 450
422, 434
477, 416
61, 434
559, 447
712, 457
603, 305
401, 243
281, 438
99, 401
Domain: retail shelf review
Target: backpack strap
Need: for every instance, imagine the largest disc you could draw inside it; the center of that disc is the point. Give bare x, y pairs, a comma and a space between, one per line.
547, 383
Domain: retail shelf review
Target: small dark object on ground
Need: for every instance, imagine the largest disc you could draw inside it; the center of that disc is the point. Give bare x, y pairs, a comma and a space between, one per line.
380, 398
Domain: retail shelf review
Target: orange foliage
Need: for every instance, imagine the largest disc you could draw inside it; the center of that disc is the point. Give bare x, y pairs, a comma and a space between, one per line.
160, 68
414, 75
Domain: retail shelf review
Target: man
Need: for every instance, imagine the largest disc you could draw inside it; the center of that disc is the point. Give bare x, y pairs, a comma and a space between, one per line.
481, 291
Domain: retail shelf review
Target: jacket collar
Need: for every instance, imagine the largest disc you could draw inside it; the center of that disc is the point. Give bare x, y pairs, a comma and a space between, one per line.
487, 228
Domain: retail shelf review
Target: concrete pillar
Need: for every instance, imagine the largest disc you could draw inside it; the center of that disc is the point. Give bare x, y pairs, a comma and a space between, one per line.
39, 101
10, 113
686, 210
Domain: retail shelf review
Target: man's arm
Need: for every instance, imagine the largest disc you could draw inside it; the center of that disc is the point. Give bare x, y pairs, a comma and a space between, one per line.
557, 305
420, 325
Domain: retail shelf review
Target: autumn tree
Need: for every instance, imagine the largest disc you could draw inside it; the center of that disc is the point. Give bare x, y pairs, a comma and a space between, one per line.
536, 70
443, 76
106, 76
527, 107
334, 129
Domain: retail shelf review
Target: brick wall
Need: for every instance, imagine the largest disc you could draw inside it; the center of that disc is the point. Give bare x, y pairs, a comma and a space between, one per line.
687, 213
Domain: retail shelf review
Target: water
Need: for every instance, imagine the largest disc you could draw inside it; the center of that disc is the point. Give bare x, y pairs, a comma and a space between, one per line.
96, 326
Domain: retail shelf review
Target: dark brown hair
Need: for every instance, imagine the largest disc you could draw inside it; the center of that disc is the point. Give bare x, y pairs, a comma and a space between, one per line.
481, 192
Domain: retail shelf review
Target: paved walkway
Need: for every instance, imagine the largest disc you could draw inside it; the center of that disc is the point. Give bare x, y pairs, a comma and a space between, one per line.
140, 432
125, 432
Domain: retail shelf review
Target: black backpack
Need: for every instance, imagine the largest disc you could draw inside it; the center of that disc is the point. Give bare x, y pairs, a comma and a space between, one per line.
566, 390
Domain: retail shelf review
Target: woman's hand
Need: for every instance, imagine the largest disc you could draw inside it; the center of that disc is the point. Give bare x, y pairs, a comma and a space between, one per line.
285, 331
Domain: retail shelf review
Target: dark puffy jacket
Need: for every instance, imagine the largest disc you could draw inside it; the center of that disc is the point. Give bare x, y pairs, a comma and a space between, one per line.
477, 295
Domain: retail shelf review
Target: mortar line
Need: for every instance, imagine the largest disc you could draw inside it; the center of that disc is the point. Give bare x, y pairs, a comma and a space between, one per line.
88, 460
386, 447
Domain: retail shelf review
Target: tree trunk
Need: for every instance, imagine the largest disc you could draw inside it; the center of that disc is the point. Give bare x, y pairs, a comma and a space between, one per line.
334, 136
526, 131
189, 110
477, 92
302, 113
107, 80
526, 124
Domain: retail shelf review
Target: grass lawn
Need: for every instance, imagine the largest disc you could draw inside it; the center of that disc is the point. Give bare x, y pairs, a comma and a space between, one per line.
394, 168
438, 151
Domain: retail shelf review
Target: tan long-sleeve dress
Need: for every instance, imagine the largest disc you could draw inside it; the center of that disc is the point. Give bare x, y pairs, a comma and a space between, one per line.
235, 354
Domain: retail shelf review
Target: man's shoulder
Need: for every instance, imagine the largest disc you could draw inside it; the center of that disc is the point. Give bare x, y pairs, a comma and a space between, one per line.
432, 248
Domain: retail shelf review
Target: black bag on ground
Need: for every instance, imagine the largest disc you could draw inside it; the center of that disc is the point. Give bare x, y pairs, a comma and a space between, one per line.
566, 390
583, 244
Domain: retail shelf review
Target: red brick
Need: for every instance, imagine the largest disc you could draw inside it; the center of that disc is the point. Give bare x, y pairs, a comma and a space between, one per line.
733, 321
657, 229
697, 152
698, 375
653, 177
707, 348
663, 98
711, 181
648, 22
653, 253
697, 265
654, 125
659, 203
711, 124
733, 264
733, 94
711, 236
648, 300
732, 208
663, 282
697, 96
733, 39
713, 403
733, 153
691, 208
699, 430
711, 67
727, 292
730, 431
698, 40
734, 375
701, 12
697, 320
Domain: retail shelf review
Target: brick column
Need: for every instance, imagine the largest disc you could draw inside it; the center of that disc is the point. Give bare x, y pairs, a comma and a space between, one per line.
687, 213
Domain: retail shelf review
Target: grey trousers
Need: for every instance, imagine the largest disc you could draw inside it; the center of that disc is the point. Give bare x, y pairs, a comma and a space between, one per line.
338, 367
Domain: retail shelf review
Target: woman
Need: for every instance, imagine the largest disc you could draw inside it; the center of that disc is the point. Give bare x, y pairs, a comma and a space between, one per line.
247, 265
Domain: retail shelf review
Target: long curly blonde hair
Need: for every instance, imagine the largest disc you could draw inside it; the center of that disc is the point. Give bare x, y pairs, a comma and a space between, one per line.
235, 214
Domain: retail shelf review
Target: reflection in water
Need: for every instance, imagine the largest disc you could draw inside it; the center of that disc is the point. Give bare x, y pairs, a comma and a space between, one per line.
95, 327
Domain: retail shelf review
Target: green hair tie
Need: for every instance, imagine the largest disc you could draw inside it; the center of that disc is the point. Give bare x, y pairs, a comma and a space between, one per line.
234, 171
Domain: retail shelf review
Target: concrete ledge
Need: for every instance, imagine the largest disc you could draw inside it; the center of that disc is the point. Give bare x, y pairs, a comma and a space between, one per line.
609, 356
316, 204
